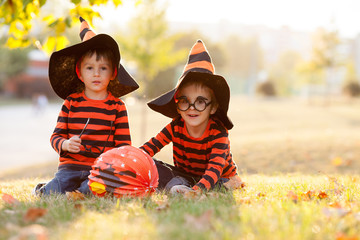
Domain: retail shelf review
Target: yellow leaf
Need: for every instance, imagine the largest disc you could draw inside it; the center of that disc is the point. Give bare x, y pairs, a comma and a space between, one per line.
49, 45
337, 161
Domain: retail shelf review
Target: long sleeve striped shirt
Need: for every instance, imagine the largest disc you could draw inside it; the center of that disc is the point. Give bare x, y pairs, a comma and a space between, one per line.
207, 157
107, 128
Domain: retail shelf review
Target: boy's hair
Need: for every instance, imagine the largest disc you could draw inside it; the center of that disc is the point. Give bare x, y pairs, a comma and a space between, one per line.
201, 82
105, 53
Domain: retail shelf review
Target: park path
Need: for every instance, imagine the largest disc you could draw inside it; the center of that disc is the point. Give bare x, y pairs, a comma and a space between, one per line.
25, 136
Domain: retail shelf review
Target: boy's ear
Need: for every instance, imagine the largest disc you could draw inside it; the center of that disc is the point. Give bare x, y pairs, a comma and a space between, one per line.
214, 108
114, 74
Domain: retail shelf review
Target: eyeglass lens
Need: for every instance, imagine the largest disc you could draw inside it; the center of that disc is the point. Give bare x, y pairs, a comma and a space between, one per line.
200, 104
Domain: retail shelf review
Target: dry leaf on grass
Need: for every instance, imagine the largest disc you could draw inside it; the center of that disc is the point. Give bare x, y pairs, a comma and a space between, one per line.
75, 195
307, 196
343, 236
322, 195
201, 223
260, 195
33, 214
234, 183
245, 200
292, 196
9, 199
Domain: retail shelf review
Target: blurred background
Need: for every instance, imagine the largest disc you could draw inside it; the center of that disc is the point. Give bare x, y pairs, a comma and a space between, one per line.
293, 68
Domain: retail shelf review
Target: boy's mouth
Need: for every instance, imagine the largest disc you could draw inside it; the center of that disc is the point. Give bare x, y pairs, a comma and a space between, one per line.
96, 82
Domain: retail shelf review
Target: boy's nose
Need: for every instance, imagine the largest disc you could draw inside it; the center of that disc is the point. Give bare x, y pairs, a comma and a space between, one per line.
96, 72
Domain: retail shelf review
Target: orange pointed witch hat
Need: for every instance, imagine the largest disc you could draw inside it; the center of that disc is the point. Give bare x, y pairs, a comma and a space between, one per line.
199, 66
62, 65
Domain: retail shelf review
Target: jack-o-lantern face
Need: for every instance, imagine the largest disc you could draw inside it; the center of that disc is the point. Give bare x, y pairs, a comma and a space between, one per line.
123, 171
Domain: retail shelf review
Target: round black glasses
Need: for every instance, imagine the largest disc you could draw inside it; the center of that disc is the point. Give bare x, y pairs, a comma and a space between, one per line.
183, 104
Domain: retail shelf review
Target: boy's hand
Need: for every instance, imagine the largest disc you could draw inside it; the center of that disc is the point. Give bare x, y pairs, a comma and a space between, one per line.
72, 145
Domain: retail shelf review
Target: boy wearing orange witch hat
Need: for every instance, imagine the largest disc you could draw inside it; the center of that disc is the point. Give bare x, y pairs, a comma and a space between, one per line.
93, 119
199, 129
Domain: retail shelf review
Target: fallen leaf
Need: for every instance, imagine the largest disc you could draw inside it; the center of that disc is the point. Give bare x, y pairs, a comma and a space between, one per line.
78, 206
33, 214
307, 196
9, 199
337, 161
234, 183
260, 194
343, 236
191, 194
322, 195
75, 195
245, 200
335, 205
201, 223
292, 196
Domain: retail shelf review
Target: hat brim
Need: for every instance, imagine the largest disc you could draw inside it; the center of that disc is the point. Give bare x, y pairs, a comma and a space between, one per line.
165, 104
62, 68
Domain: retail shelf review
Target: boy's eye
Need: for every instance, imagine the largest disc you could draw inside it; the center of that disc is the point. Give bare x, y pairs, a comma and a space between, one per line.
88, 68
182, 100
201, 100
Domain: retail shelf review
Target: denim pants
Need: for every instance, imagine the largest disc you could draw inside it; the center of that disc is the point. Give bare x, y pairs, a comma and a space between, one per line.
170, 176
68, 180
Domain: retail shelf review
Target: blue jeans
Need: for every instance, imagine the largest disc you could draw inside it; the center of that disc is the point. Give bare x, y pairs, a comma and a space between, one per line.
68, 180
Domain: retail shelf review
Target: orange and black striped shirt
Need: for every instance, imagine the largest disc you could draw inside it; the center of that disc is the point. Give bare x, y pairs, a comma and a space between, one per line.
107, 128
208, 157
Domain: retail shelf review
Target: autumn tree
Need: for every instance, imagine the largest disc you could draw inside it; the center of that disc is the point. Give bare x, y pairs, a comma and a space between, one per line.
283, 73
149, 45
23, 20
244, 62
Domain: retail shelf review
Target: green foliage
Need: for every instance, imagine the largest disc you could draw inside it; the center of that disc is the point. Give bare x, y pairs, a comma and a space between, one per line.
325, 48
283, 73
149, 45
21, 17
12, 62
244, 56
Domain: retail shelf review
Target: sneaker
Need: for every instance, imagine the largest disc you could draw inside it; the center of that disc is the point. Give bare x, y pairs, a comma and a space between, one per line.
37, 191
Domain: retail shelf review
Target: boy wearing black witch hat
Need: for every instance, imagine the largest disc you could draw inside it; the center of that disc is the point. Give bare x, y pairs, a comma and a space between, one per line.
199, 129
93, 119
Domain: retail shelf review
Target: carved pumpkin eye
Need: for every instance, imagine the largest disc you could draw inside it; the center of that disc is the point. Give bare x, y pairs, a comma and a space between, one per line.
124, 171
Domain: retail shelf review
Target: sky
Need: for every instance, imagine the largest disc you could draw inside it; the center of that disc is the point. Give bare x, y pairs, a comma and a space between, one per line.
304, 15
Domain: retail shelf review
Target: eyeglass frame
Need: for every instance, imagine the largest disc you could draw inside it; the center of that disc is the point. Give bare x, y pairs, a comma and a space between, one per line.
192, 104
88, 149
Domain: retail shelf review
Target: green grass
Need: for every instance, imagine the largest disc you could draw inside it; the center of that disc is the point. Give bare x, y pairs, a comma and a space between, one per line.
263, 210
279, 146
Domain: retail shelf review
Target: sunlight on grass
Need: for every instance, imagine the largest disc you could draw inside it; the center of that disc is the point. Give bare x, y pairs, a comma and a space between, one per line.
283, 206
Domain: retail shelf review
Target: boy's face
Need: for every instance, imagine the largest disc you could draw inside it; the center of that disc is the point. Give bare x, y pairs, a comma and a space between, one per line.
96, 75
195, 119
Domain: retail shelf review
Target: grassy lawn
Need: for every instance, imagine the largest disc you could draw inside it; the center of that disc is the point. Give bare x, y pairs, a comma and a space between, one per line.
299, 160
270, 207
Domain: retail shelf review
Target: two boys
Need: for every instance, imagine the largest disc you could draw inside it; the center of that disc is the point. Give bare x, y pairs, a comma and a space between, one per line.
93, 119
